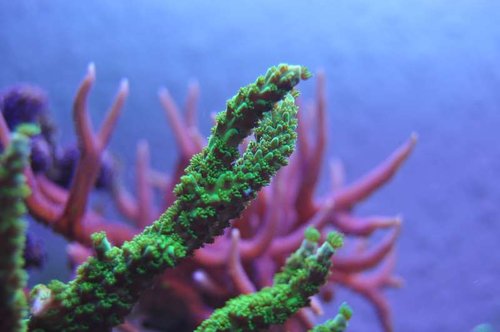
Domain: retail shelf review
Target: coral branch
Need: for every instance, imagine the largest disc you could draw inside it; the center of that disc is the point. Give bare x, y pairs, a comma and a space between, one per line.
144, 194
65, 212
235, 269
351, 225
348, 196
304, 272
337, 324
368, 259
91, 147
191, 104
216, 187
187, 148
13, 190
370, 286
312, 154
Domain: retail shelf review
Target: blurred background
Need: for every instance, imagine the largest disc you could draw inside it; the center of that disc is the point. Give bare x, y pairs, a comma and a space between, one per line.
392, 68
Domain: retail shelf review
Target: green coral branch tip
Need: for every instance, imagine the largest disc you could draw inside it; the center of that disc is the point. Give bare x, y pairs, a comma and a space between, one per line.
101, 244
339, 323
312, 234
335, 239
305, 271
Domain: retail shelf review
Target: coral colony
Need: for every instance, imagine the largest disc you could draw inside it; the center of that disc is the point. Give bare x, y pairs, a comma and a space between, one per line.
189, 270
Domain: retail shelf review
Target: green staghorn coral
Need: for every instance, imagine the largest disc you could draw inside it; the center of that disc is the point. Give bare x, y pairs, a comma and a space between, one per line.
304, 272
13, 190
216, 187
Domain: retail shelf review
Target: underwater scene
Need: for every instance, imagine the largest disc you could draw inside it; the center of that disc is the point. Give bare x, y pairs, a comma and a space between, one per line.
249, 165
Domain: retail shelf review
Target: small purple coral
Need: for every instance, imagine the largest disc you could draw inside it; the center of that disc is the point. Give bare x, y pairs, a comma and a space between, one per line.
23, 103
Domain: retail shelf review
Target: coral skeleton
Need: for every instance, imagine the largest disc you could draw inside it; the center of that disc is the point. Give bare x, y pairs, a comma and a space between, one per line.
213, 183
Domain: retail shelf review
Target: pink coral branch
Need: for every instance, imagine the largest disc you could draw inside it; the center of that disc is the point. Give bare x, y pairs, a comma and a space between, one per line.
91, 148
337, 174
191, 298
367, 259
191, 115
51, 191
66, 212
187, 148
36, 201
359, 226
208, 284
316, 306
306, 317
235, 269
50, 198
313, 156
40, 207
77, 253
347, 197
370, 286
189, 140
259, 243
125, 202
144, 195
159, 180
285, 244
108, 125
191, 104
83, 125
209, 257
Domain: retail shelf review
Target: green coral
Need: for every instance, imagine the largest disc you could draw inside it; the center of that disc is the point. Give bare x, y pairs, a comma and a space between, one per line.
338, 323
13, 190
216, 187
305, 271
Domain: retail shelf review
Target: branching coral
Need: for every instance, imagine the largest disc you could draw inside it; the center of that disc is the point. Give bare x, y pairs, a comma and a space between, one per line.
270, 229
239, 262
66, 211
216, 187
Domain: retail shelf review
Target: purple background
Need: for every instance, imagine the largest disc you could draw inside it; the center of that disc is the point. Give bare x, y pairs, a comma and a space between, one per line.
393, 67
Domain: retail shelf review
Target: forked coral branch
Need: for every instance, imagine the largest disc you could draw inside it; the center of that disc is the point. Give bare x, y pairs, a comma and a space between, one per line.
66, 211
242, 260
215, 188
